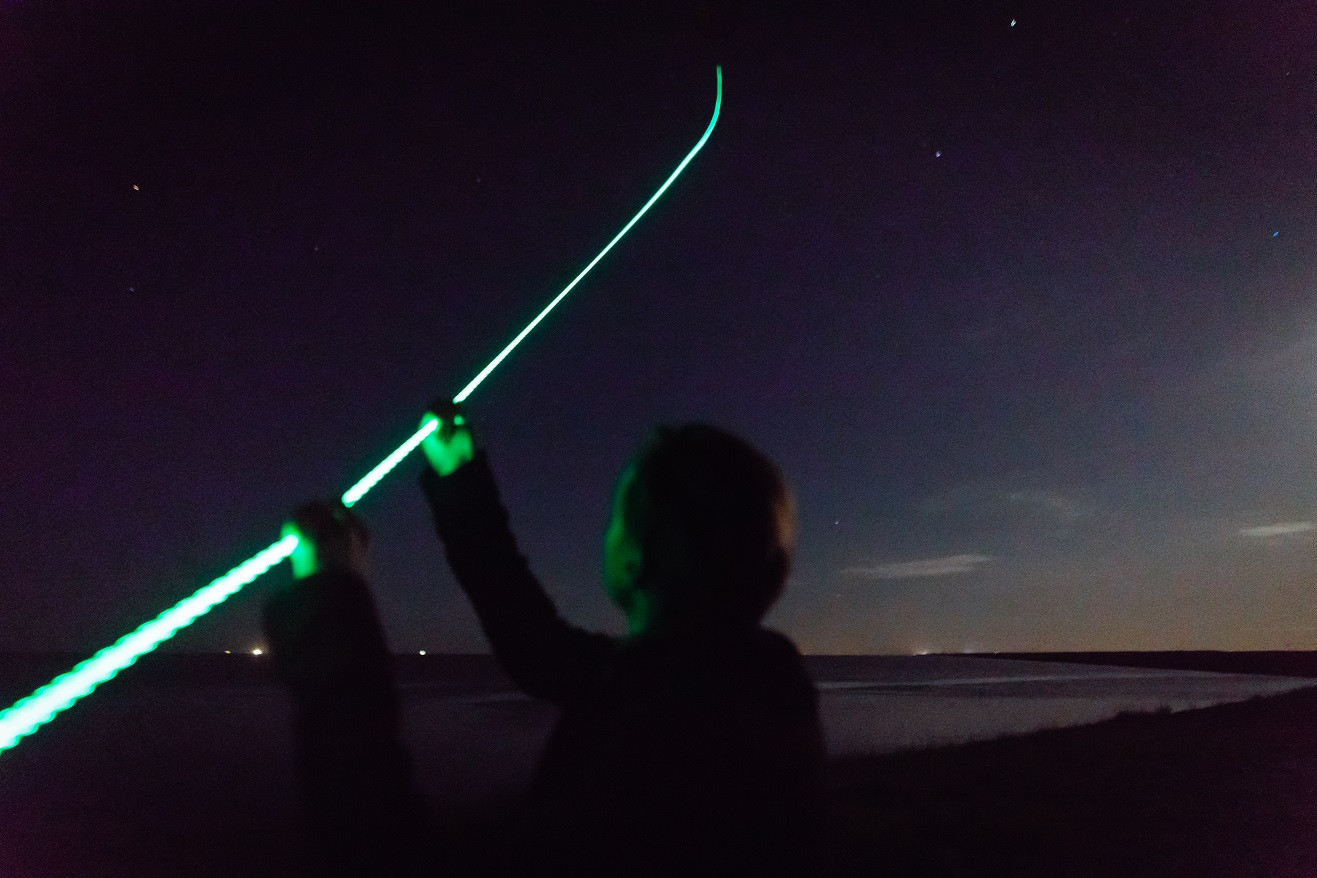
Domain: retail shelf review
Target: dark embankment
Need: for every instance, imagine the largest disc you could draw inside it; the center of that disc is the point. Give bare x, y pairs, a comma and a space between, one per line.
1281, 663
1221, 791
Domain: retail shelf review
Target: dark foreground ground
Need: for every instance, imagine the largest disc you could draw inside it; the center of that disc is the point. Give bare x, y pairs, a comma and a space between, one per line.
1222, 791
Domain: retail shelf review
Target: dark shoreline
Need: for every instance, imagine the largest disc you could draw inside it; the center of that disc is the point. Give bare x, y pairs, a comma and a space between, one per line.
1281, 663
20, 672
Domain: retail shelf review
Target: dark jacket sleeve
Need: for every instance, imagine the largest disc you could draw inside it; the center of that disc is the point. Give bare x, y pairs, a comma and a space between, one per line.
364, 810
544, 655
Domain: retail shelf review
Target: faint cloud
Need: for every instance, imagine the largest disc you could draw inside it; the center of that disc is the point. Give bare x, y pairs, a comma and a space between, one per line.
948, 566
1282, 529
1051, 502
986, 499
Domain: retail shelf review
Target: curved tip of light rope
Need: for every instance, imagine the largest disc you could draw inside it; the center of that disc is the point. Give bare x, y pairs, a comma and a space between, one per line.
717, 109
718, 100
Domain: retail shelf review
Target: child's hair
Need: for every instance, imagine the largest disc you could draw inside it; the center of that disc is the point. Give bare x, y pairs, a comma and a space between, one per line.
715, 523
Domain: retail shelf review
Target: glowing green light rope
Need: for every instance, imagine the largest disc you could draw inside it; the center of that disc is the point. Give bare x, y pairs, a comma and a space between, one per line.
28, 714
475, 382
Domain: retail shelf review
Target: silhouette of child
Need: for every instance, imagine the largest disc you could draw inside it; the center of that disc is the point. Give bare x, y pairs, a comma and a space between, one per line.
691, 745
693, 742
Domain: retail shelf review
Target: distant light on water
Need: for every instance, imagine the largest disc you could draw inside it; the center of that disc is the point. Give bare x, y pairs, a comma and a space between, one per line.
422, 652
258, 651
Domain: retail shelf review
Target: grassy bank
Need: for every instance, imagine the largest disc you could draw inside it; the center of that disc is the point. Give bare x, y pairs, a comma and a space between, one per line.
1228, 791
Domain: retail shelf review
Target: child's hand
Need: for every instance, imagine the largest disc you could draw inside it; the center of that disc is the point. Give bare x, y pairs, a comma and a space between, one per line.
329, 537
452, 444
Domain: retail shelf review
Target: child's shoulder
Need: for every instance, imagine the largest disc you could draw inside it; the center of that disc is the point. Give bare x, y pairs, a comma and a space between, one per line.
776, 646
772, 657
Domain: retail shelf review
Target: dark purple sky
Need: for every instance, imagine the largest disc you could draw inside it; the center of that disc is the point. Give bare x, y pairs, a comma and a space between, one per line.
1025, 312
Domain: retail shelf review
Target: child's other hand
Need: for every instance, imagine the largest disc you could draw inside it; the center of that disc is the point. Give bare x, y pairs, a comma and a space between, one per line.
329, 537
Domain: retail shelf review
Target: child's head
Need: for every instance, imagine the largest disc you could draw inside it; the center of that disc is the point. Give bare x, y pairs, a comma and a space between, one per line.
701, 534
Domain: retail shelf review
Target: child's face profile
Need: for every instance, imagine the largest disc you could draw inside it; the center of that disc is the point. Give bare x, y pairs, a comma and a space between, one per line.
621, 551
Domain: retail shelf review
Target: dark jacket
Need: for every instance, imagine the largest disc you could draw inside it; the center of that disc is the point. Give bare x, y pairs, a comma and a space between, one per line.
697, 753
363, 809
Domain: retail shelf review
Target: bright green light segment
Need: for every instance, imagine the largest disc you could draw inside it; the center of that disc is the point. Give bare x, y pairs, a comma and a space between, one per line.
30, 713
39, 708
493, 364
385, 466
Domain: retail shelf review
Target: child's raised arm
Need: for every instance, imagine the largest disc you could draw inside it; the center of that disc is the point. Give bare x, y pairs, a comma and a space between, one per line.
544, 655
364, 810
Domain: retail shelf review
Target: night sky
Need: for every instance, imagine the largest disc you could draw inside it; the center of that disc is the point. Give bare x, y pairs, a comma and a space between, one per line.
1022, 301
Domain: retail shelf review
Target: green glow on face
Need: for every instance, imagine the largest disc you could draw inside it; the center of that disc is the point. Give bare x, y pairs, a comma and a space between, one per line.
28, 714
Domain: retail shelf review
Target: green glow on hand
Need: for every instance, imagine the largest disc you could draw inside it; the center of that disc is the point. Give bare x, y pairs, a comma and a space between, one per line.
303, 558
29, 714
